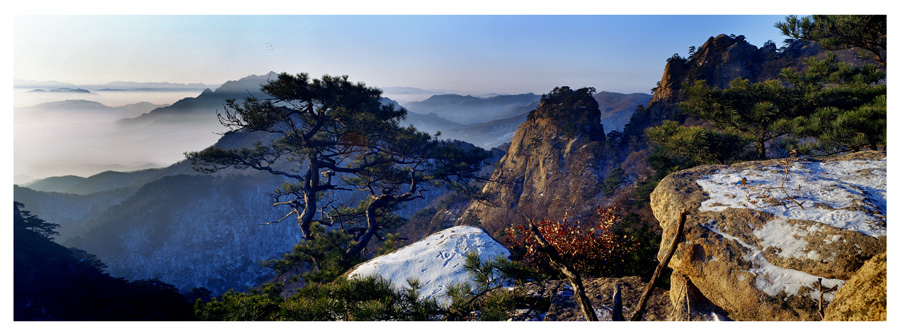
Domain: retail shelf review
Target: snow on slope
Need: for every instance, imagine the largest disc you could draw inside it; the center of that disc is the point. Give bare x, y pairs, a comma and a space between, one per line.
437, 260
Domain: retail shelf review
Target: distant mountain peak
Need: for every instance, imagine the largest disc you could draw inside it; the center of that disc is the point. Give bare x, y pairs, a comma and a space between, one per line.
71, 103
468, 109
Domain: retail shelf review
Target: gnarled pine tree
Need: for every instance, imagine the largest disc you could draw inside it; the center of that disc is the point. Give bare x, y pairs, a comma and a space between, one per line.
328, 135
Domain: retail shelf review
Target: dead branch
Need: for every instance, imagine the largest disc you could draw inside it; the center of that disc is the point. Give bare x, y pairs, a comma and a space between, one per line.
293, 211
822, 292
574, 278
639, 312
786, 175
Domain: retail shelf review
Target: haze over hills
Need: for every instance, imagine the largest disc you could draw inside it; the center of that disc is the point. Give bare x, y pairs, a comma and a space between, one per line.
407, 94
472, 110
205, 106
175, 224
136, 220
116, 85
84, 137
153, 135
616, 110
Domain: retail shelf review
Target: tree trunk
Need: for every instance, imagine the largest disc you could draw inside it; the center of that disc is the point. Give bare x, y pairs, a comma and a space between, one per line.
761, 149
371, 225
310, 188
617, 304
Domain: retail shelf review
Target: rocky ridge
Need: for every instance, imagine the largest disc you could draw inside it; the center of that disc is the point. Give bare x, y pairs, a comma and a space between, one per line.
718, 61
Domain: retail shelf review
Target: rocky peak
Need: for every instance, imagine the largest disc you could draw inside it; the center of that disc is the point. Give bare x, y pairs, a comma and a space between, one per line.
553, 165
574, 112
718, 61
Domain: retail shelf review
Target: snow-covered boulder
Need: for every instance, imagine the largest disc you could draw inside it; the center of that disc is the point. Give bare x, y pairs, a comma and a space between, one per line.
436, 261
761, 235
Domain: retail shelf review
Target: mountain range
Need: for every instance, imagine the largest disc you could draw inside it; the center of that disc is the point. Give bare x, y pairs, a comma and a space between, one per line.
194, 230
116, 85
491, 122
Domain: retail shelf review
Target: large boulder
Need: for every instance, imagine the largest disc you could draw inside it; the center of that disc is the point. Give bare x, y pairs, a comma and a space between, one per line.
762, 236
436, 261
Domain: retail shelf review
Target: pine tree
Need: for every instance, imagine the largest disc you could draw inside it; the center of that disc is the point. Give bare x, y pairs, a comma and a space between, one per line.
829, 108
834, 32
25, 220
329, 135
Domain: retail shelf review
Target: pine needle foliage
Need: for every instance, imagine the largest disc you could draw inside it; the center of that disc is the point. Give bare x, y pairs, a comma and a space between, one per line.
357, 299
866, 32
831, 107
492, 294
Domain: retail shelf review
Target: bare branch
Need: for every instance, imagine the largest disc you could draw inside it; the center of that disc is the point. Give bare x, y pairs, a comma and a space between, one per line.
574, 277
293, 211
639, 311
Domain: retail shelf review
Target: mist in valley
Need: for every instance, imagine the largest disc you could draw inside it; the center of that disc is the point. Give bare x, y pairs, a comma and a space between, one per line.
82, 134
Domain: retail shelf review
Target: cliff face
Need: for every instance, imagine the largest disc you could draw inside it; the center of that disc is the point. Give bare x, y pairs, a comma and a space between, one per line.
553, 167
720, 60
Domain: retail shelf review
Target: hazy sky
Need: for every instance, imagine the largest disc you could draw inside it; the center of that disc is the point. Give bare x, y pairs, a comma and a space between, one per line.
528, 52
504, 54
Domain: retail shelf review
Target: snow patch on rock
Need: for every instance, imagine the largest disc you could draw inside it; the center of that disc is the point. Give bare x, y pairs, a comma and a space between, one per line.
437, 261
849, 195
772, 279
786, 237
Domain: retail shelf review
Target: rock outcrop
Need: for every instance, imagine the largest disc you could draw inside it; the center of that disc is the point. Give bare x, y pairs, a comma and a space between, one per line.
552, 168
760, 236
437, 262
717, 62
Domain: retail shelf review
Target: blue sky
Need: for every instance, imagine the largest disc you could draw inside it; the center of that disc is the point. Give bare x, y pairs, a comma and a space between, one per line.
503, 54
526, 52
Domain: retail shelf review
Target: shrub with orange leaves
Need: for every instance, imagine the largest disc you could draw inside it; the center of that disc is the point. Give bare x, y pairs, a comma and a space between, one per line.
592, 249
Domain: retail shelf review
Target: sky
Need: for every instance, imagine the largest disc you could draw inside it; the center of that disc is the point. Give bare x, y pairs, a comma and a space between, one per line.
487, 48
577, 45
502, 54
